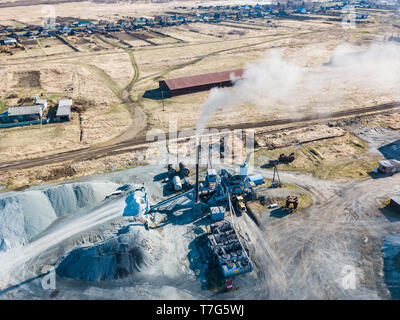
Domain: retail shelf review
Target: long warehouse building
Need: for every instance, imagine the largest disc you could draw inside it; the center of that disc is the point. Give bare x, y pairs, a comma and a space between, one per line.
198, 83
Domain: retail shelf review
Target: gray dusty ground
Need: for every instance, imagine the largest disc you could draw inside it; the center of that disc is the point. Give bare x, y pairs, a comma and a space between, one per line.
305, 255
300, 256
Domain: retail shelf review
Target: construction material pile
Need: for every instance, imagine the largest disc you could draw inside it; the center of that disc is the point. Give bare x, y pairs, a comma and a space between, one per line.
113, 259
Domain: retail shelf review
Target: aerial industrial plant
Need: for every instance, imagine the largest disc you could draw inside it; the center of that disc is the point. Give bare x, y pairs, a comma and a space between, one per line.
213, 150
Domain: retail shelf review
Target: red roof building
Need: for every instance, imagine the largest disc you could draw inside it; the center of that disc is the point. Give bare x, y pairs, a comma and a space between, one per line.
201, 82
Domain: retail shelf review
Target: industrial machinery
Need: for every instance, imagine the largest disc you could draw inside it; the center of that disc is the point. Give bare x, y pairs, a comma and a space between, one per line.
238, 202
186, 185
136, 199
244, 169
241, 184
126, 190
227, 250
217, 213
171, 169
177, 183
219, 191
273, 162
292, 200
286, 159
176, 179
183, 170
174, 198
211, 177
257, 179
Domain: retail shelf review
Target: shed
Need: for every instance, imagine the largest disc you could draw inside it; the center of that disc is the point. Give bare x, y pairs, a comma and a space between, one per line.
64, 110
198, 83
395, 203
257, 179
84, 23
25, 113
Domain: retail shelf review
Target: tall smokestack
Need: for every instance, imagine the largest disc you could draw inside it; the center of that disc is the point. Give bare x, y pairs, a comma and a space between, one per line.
197, 172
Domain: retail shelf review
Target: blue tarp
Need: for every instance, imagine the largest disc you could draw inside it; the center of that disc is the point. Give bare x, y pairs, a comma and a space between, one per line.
21, 124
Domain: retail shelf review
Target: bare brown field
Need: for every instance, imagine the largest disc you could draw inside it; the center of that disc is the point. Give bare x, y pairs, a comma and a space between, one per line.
105, 116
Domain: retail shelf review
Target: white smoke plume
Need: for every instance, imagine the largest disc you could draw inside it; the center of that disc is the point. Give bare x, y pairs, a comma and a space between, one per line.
274, 83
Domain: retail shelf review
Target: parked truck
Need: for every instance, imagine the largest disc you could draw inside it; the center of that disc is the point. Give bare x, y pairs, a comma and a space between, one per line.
238, 201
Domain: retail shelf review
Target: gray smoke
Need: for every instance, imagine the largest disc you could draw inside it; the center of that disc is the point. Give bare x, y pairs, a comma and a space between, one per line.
274, 83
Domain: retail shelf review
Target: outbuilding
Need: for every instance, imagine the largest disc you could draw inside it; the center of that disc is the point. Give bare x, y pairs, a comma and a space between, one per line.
42, 102
8, 41
20, 114
198, 83
64, 110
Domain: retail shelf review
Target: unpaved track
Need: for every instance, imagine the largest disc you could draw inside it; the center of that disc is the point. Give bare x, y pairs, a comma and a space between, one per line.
139, 118
139, 123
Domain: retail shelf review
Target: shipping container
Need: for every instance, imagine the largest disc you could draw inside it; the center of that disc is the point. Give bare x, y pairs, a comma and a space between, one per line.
257, 179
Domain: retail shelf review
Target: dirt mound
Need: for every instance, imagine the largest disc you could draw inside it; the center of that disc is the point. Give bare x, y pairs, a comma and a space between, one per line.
57, 173
113, 259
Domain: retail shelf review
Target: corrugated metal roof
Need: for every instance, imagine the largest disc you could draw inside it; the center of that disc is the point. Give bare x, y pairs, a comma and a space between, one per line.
396, 199
20, 111
389, 163
64, 108
41, 101
66, 102
203, 79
